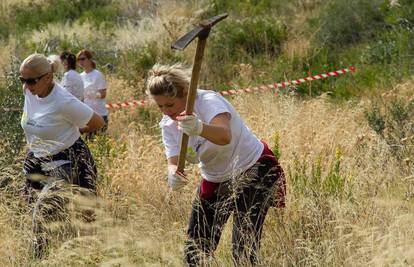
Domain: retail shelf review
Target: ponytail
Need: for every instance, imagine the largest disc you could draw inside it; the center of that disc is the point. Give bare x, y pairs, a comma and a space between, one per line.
55, 63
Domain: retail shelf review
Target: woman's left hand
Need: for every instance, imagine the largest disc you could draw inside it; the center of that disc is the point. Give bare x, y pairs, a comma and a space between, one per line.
189, 124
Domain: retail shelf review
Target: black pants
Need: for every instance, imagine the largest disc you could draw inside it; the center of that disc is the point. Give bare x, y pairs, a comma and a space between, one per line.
80, 170
249, 198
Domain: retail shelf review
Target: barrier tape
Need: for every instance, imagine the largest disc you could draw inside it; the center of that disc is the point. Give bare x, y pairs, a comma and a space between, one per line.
126, 104
285, 84
263, 88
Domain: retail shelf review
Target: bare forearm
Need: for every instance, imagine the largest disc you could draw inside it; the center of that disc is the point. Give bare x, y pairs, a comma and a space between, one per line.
95, 123
217, 134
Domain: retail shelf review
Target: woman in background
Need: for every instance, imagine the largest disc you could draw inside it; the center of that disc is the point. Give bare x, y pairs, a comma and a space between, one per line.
94, 86
71, 81
51, 121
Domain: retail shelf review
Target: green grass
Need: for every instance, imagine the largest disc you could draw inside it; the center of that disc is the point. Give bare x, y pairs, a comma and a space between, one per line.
32, 16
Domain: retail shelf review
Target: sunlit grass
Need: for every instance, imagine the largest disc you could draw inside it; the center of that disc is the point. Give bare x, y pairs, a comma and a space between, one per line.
144, 223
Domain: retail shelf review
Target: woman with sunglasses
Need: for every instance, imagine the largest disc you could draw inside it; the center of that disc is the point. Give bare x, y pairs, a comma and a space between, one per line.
51, 121
94, 86
240, 174
71, 81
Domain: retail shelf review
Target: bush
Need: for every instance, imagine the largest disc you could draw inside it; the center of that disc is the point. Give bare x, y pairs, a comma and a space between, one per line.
375, 120
312, 182
253, 40
401, 15
394, 46
395, 123
24, 17
102, 53
101, 16
347, 22
237, 39
11, 133
137, 62
244, 8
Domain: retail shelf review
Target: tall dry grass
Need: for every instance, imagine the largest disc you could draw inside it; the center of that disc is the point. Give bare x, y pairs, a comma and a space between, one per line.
142, 223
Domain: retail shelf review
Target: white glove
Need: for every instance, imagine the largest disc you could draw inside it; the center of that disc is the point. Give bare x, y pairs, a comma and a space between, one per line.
190, 124
176, 180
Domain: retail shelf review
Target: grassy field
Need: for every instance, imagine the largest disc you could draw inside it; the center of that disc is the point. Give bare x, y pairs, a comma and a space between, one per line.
346, 143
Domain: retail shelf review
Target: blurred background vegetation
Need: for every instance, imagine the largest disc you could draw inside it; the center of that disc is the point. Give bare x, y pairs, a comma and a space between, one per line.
262, 41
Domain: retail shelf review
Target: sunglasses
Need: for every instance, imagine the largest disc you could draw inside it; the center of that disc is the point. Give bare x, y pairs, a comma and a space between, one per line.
82, 58
31, 81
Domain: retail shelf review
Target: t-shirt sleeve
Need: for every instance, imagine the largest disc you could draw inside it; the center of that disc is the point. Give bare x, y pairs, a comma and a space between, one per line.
212, 106
77, 112
68, 83
100, 81
171, 142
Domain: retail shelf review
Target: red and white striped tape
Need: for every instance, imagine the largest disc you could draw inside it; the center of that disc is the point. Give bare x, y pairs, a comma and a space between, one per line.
133, 103
262, 88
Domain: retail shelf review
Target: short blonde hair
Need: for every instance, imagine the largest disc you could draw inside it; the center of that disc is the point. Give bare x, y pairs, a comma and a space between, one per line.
168, 80
40, 64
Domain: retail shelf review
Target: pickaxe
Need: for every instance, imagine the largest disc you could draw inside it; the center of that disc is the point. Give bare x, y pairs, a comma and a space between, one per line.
202, 31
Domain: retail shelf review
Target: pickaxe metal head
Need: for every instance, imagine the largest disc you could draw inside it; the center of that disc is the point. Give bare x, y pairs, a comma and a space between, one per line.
200, 31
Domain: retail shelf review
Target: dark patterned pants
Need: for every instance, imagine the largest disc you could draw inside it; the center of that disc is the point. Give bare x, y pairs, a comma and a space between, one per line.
249, 198
80, 169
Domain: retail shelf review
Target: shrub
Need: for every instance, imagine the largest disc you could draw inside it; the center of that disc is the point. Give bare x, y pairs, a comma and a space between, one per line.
11, 134
257, 7
23, 17
375, 119
394, 46
395, 123
309, 180
247, 37
347, 22
400, 15
137, 62
276, 145
253, 40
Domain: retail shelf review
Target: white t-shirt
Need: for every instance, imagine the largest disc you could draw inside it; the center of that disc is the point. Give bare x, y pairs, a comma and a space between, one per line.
217, 163
93, 82
73, 83
51, 124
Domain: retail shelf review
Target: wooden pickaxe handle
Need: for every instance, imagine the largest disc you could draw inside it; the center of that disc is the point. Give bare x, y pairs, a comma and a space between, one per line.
202, 33
192, 93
